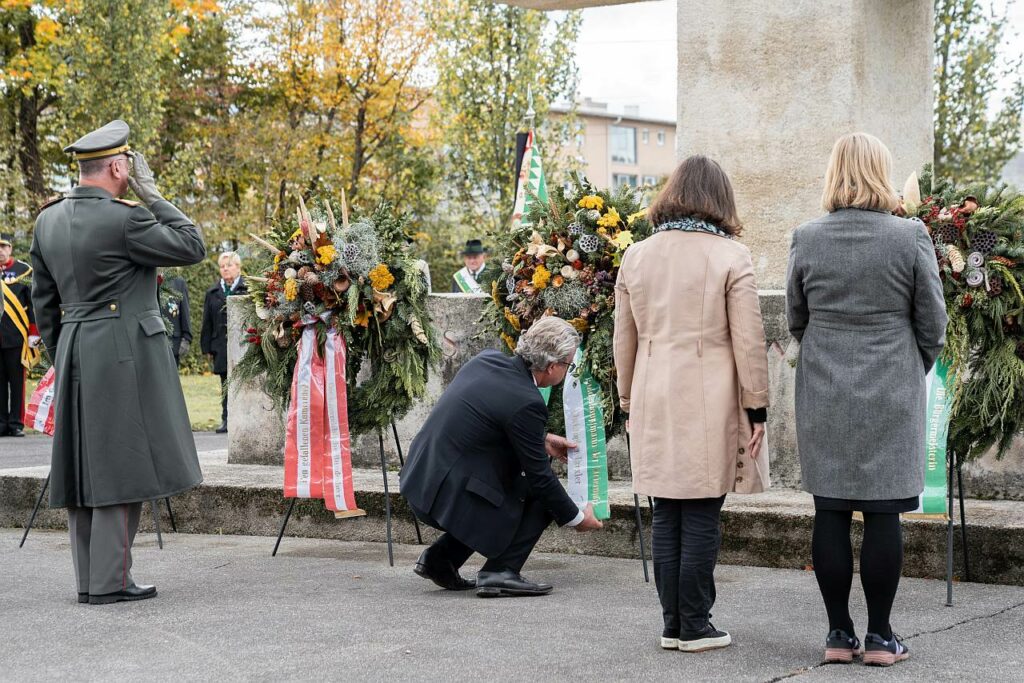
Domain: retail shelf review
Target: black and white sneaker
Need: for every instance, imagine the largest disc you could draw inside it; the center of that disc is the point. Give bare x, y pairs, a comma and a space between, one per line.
669, 640
708, 639
841, 647
881, 652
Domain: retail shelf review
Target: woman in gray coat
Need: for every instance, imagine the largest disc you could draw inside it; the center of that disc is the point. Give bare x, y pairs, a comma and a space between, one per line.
865, 301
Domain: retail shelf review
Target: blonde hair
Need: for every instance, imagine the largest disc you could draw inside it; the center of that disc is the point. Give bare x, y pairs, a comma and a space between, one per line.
858, 175
231, 256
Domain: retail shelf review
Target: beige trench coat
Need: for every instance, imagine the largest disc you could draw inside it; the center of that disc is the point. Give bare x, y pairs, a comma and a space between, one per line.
690, 355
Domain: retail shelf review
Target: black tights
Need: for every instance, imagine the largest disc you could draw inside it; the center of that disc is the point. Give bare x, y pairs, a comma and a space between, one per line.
881, 561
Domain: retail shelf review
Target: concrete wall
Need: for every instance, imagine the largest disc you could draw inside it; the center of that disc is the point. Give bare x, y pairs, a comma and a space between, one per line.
257, 432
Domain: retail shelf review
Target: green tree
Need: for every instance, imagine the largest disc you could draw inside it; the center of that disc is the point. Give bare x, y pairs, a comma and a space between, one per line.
972, 142
487, 57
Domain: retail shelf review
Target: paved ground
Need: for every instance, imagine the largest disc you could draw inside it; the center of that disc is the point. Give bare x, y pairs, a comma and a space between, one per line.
328, 609
34, 449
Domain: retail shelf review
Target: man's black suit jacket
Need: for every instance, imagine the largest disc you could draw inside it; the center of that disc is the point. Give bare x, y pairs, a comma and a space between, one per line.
481, 452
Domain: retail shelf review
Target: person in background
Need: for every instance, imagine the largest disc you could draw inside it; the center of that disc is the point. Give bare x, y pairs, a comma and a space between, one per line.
474, 277
175, 308
693, 375
214, 336
18, 338
869, 329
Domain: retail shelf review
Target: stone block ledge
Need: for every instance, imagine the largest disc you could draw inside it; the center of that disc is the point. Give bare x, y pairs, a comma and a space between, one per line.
772, 529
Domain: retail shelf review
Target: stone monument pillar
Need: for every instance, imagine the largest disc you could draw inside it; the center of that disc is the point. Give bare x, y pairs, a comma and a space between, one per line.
766, 87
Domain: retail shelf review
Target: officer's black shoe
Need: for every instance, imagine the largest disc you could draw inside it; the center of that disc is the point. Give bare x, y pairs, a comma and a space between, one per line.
441, 573
223, 429
507, 584
83, 598
15, 431
134, 592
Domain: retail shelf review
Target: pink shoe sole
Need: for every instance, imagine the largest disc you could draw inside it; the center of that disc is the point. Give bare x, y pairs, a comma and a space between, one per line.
883, 658
840, 655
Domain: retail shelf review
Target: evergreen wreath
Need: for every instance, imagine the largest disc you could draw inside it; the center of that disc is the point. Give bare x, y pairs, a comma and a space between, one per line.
359, 279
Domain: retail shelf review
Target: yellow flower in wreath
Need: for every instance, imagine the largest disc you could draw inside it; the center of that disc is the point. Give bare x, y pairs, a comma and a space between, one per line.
325, 255
512, 319
362, 318
509, 341
591, 201
540, 277
610, 219
291, 289
580, 324
381, 278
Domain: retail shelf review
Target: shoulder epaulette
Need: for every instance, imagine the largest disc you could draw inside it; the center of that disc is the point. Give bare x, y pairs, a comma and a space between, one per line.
126, 202
51, 201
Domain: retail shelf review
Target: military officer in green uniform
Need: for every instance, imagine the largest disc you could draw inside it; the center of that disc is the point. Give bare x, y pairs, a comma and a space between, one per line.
122, 430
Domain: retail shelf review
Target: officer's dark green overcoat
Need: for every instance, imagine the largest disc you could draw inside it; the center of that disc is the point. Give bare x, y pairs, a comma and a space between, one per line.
122, 430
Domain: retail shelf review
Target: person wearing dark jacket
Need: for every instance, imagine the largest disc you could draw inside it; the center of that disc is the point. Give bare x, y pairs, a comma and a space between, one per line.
478, 469
214, 336
18, 338
175, 308
122, 434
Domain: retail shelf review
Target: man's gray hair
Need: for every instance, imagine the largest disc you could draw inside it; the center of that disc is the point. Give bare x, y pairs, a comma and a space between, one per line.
549, 340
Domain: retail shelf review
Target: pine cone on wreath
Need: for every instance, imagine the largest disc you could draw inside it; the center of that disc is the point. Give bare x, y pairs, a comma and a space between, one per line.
307, 291
956, 259
984, 241
1008, 262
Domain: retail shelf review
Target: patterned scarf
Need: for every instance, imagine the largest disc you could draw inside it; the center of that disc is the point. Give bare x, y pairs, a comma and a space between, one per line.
691, 224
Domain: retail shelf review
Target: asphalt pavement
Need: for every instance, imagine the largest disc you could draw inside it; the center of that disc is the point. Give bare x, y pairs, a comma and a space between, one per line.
331, 610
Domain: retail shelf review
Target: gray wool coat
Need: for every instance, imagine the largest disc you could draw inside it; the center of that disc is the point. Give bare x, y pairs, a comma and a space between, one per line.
122, 429
864, 299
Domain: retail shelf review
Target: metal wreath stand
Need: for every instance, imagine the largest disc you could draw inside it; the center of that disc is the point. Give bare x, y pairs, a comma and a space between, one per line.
387, 498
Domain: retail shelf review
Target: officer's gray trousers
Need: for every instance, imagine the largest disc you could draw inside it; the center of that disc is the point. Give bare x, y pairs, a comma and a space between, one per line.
101, 546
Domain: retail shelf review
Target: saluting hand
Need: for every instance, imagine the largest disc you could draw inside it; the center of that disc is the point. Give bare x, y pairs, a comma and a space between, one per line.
142, 182
558, 446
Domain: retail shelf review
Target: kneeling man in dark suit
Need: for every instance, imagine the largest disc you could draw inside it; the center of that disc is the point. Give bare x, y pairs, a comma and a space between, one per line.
479, 470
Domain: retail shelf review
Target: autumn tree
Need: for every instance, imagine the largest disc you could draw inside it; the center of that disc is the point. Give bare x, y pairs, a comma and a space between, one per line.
973, 142
489, 55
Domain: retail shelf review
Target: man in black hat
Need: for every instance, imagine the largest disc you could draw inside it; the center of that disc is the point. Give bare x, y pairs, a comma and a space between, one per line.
18, 338
122, 434
474, 278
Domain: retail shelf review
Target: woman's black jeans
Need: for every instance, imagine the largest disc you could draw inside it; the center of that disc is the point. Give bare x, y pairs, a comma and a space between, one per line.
687, 535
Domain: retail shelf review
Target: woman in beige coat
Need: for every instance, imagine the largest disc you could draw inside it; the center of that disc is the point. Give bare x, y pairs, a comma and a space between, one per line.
693, 376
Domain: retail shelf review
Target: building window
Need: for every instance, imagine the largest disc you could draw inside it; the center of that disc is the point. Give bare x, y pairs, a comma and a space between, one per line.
623, 144
645, 136
650, 181
620, 179
661, 138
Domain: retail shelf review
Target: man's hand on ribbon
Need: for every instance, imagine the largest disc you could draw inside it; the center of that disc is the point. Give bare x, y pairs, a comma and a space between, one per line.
590, 522
558, 446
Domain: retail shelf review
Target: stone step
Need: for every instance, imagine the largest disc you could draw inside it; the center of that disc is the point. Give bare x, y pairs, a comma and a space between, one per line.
772, 529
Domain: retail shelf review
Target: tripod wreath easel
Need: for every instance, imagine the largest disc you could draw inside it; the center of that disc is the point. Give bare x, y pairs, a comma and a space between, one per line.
387, 498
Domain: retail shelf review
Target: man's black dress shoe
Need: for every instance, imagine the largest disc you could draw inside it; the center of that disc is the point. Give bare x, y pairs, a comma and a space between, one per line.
507, 584
15, 432
83, 598
223, 429
130, 593
446, 577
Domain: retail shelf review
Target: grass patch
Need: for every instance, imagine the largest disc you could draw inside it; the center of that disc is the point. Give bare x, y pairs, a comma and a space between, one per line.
202, 397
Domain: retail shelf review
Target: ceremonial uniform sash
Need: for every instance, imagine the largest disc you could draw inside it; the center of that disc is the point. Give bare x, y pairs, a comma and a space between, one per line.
467, 283
19, 316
